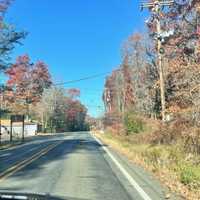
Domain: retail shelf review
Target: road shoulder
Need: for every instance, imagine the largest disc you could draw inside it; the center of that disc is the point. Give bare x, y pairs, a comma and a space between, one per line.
143, 178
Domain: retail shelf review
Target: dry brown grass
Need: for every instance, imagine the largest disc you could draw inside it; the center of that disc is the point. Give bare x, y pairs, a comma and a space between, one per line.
169, 161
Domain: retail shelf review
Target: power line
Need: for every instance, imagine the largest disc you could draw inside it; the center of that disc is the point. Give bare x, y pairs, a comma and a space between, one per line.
95, 106
82, 79
86, 78
91, 89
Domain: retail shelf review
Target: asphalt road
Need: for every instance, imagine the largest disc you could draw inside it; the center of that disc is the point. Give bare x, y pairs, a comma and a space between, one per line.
74, 166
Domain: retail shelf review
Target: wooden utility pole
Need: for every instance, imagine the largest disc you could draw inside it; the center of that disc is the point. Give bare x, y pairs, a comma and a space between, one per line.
160, 65
1, 110
11, 130
23, 125
156, 6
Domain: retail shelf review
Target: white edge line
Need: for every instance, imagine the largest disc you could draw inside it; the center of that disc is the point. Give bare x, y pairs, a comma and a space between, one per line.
142, 193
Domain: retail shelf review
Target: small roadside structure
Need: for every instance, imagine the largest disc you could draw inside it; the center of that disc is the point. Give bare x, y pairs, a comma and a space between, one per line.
30, 129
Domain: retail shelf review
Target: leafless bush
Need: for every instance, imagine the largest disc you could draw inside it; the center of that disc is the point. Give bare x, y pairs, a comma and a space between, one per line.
180, 130
171, 132
191, 141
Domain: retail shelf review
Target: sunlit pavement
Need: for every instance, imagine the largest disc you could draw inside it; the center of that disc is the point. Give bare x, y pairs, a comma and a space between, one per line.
77, 167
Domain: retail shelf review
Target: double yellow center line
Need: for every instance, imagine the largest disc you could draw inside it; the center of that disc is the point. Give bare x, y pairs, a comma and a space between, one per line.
13, 169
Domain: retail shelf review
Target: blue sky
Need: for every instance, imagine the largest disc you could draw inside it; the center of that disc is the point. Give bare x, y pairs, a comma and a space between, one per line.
77, 38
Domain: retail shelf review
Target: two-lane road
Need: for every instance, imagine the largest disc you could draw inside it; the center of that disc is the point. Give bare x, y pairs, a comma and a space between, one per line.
74, 166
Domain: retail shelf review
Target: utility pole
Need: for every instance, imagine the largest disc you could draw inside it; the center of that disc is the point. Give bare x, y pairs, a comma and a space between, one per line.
1, 110
23, 125
156, 6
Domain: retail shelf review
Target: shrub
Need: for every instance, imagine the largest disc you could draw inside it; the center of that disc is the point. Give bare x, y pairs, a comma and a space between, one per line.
190, 175
133, 124
192, 141
153, 156
111, 119
175, 154
170, 133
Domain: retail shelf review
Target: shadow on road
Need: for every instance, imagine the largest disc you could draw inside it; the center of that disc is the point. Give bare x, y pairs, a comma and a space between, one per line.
60, 152
88, 176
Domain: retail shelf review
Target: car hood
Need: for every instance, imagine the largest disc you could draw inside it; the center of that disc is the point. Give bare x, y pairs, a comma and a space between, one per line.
5, 195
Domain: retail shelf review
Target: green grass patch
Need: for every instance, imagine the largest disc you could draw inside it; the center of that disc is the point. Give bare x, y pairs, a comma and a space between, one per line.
190, 175
133, 124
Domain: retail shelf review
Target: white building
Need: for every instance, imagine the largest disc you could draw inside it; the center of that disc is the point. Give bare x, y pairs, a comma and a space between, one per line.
30, 129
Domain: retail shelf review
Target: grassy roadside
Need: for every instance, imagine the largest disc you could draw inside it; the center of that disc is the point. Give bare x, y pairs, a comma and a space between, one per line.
168, 162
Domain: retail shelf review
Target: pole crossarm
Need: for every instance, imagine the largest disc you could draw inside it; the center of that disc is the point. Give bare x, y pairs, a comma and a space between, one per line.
152, 5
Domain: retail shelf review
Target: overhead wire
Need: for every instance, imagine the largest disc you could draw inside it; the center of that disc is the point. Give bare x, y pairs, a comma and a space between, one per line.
85, 78
82, 79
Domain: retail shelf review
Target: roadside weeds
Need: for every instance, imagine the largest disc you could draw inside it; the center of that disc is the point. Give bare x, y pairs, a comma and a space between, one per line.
176, 177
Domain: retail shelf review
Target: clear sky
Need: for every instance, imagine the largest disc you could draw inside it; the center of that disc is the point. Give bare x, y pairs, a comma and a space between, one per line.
77, 38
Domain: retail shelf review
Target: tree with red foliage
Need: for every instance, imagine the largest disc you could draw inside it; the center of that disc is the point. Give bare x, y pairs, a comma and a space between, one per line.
75, 115
40, 78
113, 95
27, 81
128, 88
129, 98
57, 111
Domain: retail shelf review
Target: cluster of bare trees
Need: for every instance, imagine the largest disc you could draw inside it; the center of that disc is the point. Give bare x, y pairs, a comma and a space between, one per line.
60, 110
135, 85
130, 88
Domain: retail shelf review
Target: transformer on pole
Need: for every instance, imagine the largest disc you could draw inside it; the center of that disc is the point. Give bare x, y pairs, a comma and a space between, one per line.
156, 6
